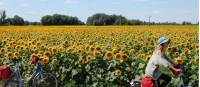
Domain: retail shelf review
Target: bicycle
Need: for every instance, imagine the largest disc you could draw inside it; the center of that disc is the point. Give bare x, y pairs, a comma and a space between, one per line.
137, 83
39, 77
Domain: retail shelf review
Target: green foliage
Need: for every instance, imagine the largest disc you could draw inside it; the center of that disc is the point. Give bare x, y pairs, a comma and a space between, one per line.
58, 19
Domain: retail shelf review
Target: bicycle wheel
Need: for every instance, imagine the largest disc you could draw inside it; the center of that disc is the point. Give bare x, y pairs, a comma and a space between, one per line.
10, 83
45, 80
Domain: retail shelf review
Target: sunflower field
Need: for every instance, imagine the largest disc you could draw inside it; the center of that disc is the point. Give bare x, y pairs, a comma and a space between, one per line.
98, 56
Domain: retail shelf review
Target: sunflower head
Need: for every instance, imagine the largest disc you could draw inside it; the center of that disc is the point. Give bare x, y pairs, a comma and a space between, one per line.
196, 61
10, 55
186, 52
148, 58
46, 54
80, 61
3, 50
92, 48
44, 60
2, 60
118, 73
118, 56
50, 49
98, 48
109, 54
179, 61
124, 57
96, 53
88, 58
80, 51
129, 69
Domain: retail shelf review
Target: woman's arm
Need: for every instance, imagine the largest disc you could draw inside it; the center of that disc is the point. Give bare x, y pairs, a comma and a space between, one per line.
173, 68
167, 58
170, 60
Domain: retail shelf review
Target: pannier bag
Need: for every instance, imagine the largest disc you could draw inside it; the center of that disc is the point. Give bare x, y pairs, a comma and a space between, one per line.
5, 72
147, 82
175, 73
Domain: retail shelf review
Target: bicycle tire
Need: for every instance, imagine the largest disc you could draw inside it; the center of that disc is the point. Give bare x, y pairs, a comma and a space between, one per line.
10, 84
45, 80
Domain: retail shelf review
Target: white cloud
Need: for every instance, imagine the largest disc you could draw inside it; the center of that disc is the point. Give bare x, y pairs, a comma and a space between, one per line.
71, 1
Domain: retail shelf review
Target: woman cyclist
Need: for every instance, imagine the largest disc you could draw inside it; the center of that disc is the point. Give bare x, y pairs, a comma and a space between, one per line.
159, 58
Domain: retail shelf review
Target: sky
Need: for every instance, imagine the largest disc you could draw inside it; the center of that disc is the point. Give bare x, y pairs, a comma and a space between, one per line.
159, 10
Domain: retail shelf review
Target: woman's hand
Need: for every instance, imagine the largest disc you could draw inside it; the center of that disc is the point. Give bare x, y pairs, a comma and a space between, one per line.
178, 70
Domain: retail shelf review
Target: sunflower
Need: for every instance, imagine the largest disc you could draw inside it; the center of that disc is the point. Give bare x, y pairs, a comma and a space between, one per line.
29, 44
179, 61
50, 49
141, 56
109, 54
91, 43
118, 72
54, 50
10, 55
4, 41
3, 50
35, 47
33, 42
16, 57
148, 57
97, 53
46, 54
124, 57
186, 52
176, 54
22, 48
26, 44
33, 55
55, 61
169, 49
196, 61
88, 58
66, 42
87, 48
27, 75
61, 49
38, 44
118, 56
69, 50
98, 48
129, 69
80, 61
40, 53
91, 48
18, 47
44, 60
2, 60
16, 54
115, 50
80, 51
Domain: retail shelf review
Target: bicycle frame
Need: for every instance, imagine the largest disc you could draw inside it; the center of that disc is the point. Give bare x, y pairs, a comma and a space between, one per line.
20, 80
17, 73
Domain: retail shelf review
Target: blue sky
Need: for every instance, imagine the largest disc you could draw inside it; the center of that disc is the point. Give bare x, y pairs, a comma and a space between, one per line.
160, 10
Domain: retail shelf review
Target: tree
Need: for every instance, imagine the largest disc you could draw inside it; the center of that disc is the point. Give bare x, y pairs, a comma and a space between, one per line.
186, 23
2, 17
16, 20
104, 19
58, 19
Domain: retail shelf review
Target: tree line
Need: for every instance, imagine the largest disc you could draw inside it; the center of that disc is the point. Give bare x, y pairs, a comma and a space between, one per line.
98, 19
